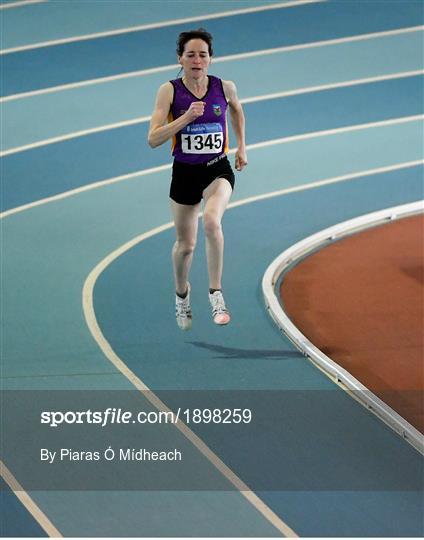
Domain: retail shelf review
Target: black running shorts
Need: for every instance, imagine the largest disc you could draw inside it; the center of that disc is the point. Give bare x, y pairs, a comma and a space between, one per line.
189, 181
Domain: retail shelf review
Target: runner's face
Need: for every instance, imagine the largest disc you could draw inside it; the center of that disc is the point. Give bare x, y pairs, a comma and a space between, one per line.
195, 59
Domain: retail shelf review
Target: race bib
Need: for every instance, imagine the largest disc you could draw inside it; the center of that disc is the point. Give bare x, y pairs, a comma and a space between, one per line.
202, 139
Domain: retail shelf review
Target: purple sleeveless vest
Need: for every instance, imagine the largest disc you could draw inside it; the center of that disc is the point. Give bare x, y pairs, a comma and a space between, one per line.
207, 137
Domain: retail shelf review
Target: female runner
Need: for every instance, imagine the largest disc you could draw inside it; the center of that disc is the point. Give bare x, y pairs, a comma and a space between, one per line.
192, 110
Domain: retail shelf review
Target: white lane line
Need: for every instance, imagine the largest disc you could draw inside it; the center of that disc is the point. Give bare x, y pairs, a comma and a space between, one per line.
253, 99
162, 24
331, 86
89, 187
241, 56
28, 502
160, 168
89, 82
75, 135
110, 354
323, 43
334, 131
21, 3
326, 182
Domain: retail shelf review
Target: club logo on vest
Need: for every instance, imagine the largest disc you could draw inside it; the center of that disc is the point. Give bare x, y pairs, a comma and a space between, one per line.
217, 109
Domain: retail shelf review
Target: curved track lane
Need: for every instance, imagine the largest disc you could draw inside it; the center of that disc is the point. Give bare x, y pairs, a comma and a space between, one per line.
131, 298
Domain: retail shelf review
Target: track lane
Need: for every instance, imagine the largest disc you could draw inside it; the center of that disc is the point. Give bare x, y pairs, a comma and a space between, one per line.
45, 171
54, 20
41, 68
347, 440
32, 119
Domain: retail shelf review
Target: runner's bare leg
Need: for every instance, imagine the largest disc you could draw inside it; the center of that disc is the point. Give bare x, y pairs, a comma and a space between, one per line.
216, 197
186, 225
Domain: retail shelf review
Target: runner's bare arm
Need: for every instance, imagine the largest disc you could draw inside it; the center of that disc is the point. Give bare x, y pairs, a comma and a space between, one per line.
238, 123
160, 131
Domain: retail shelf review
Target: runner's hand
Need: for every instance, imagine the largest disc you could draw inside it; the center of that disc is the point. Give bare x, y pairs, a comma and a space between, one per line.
196, 109
241, 159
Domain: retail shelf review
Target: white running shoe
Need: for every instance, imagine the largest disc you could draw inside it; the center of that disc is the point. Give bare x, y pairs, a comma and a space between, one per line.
183, 311
220, 313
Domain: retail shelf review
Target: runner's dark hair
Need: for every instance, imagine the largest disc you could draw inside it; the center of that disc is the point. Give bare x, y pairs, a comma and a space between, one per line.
200, 33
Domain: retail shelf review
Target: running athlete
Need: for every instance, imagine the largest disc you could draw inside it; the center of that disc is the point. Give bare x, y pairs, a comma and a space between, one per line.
192, 110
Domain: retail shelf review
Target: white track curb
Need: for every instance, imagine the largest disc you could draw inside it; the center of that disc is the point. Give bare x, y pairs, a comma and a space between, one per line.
342, 377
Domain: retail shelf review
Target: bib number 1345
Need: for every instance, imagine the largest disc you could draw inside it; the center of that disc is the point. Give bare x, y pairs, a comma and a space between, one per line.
202, 143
